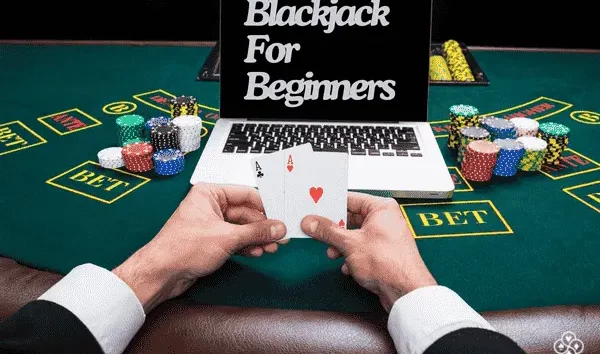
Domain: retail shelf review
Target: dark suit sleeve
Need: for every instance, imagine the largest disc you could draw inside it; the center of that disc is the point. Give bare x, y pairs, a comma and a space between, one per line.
474, 341
43, 327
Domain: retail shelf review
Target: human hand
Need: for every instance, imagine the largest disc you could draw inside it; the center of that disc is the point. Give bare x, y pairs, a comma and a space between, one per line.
381, 255
210, 225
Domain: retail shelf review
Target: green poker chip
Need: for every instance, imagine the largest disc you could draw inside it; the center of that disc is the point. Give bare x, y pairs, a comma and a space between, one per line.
554, 129
464, 110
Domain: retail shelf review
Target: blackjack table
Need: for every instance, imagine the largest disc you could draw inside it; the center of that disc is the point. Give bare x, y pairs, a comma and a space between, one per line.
530, 240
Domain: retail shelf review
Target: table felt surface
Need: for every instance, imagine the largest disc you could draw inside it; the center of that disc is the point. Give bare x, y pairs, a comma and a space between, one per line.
522, 242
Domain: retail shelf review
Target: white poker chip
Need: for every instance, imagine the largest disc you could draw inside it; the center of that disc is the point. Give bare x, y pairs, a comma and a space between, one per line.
532, 143
111, 157
190, 132
526, 126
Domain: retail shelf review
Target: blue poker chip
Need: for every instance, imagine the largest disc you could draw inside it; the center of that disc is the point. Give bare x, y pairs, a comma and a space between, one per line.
509, 156
168, 162
499, 128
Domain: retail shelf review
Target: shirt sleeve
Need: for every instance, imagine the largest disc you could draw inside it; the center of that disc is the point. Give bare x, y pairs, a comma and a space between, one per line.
103, 302
421, 317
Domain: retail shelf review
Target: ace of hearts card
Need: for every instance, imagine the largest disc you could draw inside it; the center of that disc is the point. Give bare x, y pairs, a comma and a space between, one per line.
316, 183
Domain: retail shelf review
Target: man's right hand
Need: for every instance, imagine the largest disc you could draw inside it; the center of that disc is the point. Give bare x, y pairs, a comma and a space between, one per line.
381, 255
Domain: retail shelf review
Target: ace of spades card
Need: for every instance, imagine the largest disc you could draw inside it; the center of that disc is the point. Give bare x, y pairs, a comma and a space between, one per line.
316, 183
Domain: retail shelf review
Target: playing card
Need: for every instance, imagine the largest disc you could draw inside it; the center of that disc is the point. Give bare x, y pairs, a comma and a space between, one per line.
268, 171
317, 185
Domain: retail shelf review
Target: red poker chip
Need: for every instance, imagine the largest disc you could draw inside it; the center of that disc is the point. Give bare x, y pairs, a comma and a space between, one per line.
138, 157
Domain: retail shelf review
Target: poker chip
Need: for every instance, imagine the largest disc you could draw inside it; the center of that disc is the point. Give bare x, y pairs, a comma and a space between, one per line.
457, 62
168, 162
461, 115
183, 105
533, 156
190, 132
525, 126
155, 122
557, 137
509, 156
438, 69
499, 128
480, 160
165, 137
468, 135
129, 127
138, 157
111, 158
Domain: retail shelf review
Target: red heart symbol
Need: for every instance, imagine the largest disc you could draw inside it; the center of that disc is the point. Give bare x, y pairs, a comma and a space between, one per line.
316, 193
290, 167
342, 223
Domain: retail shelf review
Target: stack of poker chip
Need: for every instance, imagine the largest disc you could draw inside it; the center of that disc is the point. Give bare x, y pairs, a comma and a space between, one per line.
138, 157
499, 128
511, 152
155, 122
183, 106
457, 62
111, 157
129, 127
557, 137
438, 69
165, 137
525, 126
168, 162
190, 132
468, 135
480, 160
533, 156
461, 116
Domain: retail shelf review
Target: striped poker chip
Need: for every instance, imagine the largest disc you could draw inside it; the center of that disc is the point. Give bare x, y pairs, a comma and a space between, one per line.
165, 137
511, 152
138, 157
533, 157
190, 132
480, 160
168, 162
111, 157
525, 126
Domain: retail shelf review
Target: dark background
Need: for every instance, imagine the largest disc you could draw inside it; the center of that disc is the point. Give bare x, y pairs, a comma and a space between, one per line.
572, 24
328, 57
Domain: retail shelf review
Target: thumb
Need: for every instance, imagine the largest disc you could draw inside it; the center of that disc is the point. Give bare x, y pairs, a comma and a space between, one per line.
259, 233
326, 231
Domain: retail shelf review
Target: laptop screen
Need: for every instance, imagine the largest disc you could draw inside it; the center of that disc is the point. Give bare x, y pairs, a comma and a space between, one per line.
331, 60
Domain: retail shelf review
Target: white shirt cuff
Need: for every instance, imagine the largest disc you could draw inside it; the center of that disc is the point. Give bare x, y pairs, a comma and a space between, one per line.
421, 317
103, 302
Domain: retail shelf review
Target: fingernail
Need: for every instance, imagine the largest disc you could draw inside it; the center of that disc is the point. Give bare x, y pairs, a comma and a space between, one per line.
312, 227
277, 230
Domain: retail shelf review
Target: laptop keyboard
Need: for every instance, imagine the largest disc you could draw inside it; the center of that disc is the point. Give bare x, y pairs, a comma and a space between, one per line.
249, 138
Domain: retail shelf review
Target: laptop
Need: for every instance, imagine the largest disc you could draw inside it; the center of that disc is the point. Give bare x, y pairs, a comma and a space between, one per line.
297, 72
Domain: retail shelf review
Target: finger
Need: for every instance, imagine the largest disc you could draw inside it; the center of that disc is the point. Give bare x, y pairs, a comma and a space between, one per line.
333, 253
325, 230
270, 248
361, 203
228, 196
252, 251
345, 269
242, 195
285, 241
355, 220
243, 215
259, 233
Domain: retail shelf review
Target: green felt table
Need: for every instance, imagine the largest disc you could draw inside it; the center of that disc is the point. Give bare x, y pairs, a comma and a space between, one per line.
523, 242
